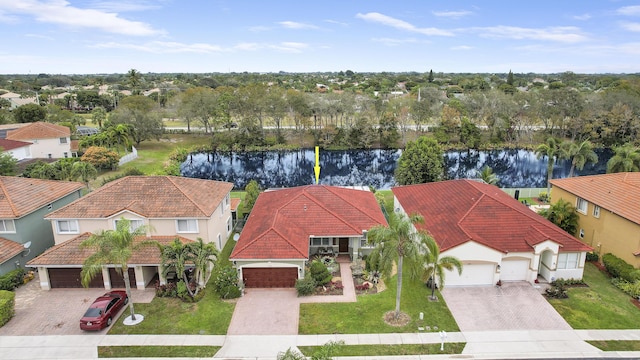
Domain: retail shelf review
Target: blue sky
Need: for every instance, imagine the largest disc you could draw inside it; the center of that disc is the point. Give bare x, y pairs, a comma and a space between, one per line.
94, 36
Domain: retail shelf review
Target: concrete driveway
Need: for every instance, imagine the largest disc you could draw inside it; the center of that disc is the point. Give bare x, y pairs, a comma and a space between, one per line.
266, 312
513, 306
57, 311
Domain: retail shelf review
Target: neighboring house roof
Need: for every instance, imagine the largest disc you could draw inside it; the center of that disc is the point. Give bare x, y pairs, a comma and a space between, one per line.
235, 202
70, 253
21, 196
75, 145
282, 221
9, 249
39, 130
618, 193
10, 95
458, 211
7, 144
149, 196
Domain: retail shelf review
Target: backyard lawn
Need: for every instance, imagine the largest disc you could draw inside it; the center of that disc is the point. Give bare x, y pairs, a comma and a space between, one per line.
599, 306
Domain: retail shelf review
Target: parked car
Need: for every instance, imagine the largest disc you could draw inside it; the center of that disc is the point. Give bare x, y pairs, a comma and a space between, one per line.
101, 313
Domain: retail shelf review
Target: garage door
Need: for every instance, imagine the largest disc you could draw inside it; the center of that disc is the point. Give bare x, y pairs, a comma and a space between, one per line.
270, 277
118, 282
70, 278
514, 270
472, 274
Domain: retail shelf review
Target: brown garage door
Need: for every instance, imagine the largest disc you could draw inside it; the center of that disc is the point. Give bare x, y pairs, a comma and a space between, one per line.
117, 281
270, 277
70, 278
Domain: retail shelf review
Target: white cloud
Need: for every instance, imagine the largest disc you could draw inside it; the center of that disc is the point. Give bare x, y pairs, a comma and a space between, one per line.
452, 14
163, 47
60, 12
296, 25
336, 22
259, 28
565, 34
462, 47
582, 17
394, 42
401, 25
38, 36
128, 5
629, 10
289, 47
631, 26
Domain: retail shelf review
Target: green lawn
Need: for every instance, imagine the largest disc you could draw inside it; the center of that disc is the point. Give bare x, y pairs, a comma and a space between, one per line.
366, 315
388, 350
616, 345
157, 351
599, 306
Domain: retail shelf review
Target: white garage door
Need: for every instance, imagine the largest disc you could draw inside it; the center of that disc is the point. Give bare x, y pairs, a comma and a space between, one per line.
472, 274
514, 270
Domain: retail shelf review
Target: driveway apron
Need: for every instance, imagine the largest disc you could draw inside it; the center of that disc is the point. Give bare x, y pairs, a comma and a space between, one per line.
266, 312
512, 306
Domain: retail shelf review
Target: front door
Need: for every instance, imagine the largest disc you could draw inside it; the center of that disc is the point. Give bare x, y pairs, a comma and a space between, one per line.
343, 245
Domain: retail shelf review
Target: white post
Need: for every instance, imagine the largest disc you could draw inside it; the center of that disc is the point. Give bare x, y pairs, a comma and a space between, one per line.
443, 336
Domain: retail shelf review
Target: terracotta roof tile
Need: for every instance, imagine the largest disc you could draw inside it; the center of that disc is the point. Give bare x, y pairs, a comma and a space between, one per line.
21, 196
458, 211
618, 193
39, 130
9, 249
69, 252
149, 196
235, 202
6, 144
282, 221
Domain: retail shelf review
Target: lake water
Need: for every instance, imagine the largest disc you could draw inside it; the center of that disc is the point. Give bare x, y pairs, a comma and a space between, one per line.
514, 168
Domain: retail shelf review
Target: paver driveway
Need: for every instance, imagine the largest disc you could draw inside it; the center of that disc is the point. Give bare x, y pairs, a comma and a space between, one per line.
57, 311
513, 306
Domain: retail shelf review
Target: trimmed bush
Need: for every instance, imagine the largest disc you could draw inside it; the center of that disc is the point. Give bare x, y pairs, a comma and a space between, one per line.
591, 256
7, 306
225, 283
12, 279
305, 286
320, 273
618, 268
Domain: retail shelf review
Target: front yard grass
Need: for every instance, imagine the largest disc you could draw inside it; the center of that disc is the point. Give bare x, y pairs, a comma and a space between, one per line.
599, 306
616, 345
366, 315
157, 351
388, 350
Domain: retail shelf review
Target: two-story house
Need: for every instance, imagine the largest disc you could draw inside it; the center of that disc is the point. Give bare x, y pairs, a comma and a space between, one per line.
47, 140
170, 206
609, 211
20, 150
24, 202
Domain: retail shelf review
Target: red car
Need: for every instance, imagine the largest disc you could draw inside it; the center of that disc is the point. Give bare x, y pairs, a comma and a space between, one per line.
101, 313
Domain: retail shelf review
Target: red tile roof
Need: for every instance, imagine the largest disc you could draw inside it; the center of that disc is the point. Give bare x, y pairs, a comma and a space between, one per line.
9, 249
282, 221
235, 202
149, 196
458, 211
39, 130
69, 252
21, 196
618, 193
6, 144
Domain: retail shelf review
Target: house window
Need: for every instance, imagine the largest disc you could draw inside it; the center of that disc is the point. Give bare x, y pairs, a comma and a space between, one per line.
229, 225
364, 242
568, 260
63, 140
7, 226
221, 209
50, 206
67, 226
581, 233
596, 211
133, 224
187, 226
227, 200
581, 205
318, 241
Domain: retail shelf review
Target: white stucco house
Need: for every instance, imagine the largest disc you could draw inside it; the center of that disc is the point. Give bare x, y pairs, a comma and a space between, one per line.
47, 140
20, 150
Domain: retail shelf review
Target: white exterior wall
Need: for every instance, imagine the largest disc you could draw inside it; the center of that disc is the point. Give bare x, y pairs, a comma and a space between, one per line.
472, 253
41, 148
20, 153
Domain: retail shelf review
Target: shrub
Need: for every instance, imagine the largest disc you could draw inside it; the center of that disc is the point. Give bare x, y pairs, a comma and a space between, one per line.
364, 286
591, 256
306, 286
630, 288
320, 273
167, 290
543, 197
101, 158
128, 172
7, 306
618, 268
225, 282
12, 279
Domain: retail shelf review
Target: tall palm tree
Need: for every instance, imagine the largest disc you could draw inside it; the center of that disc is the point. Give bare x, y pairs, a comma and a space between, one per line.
550, 149
626, 159
134, 78
435, 265
204, 258
113, 247
396, 243
84, 171
579, 153
120, 134
486, 174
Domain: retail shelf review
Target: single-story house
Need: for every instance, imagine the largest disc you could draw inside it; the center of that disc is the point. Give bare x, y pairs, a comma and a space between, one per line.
492, 234
286, 227
60, 266
608, 209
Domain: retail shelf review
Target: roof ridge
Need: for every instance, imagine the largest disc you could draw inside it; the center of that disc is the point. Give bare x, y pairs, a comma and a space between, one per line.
289, 242
87, 196
175, 184
58, 246
312, 198
6, 195
331, 189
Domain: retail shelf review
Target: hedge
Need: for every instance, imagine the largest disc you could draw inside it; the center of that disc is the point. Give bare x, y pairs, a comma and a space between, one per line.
12, 279
7, 302
618, 268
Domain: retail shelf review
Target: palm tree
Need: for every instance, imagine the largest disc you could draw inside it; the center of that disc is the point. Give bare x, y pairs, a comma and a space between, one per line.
121, 134
487, 175
113, 247
550, 149
397, 242
176, 255
563, 214
84, 171
579, 154
204, 258
134, 78
436, 265
626, 159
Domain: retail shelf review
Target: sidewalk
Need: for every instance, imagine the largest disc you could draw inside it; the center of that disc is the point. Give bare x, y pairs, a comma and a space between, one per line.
480, 345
